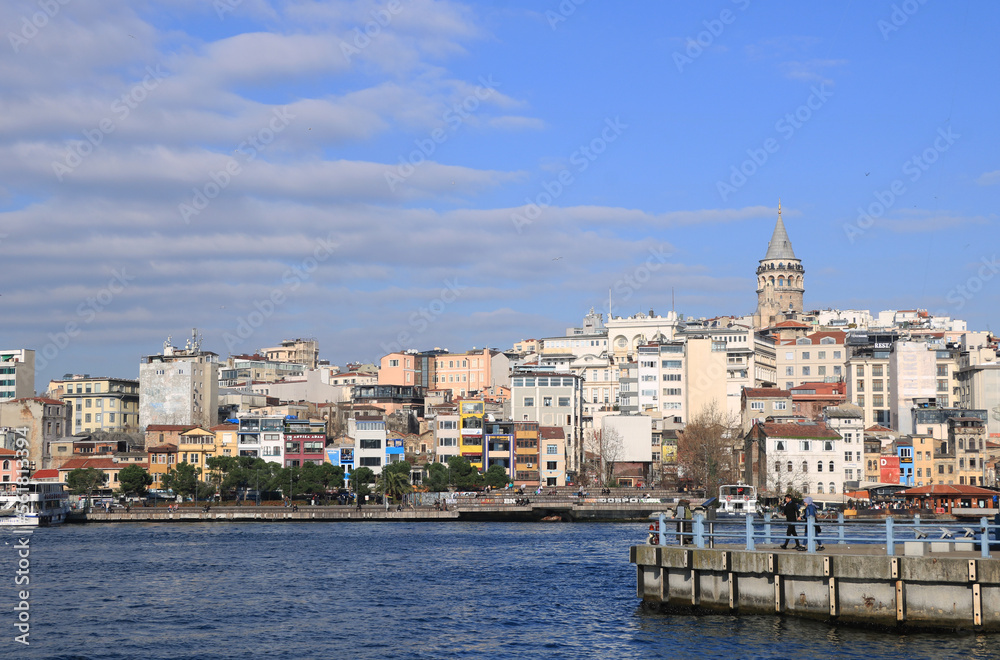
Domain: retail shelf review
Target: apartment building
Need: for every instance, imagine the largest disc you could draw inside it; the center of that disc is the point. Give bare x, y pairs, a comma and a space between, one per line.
17, 374
99, 404
552, 399
179, 386
817, 357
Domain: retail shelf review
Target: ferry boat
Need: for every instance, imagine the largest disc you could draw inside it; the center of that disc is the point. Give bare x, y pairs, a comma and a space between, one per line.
36, 504
737, 500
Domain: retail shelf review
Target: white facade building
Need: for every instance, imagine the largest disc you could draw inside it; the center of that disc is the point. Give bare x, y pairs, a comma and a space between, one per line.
369, 437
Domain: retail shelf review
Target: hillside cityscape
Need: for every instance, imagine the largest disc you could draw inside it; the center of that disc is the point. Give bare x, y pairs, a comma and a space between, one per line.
819, 401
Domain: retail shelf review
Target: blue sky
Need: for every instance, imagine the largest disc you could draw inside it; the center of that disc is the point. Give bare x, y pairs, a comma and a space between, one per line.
251, 177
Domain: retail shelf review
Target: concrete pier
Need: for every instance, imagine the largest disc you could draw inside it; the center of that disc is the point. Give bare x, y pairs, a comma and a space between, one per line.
860, 585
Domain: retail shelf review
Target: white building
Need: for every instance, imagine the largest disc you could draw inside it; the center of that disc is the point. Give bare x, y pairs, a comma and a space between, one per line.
17, 374
179, 386
552, 399
369, 437
848, 421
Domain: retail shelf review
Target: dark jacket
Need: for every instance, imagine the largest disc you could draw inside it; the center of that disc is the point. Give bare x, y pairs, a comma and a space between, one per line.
791, 511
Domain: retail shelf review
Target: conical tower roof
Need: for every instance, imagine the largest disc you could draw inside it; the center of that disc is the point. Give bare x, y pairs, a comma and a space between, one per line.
780, 246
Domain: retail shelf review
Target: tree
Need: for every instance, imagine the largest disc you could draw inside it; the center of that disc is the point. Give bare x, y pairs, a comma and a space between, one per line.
360, 479
708, 450
462, 474
183, 480
496, 476
394, 483
86, 481
134, 480
437, 477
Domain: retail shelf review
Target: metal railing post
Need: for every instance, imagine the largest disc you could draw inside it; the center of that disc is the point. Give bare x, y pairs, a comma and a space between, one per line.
750, 542
840, 527
811, 534
662, 529
699, 530
767, 527
984, 540
890, 541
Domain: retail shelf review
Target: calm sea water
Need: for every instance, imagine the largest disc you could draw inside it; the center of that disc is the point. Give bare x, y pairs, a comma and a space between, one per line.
385, 590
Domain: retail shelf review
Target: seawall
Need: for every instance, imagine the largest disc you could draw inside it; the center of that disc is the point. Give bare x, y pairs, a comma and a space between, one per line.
862, 588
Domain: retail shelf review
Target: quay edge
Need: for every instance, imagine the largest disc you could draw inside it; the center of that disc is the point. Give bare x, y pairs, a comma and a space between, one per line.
938, 593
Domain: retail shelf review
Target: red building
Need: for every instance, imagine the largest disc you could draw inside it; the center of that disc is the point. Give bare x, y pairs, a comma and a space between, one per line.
888, 469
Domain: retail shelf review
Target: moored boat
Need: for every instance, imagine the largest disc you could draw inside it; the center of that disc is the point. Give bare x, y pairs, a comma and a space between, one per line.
35, 504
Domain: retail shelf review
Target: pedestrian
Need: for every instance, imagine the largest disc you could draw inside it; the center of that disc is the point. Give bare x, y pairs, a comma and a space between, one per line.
791, 511
811, 513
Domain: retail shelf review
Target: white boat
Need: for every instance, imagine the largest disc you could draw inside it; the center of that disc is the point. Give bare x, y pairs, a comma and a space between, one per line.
737, 500
36, 504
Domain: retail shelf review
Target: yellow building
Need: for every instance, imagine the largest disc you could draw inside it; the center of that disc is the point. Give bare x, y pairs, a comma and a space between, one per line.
99, 404
196, 447
161, 459
526, 454
226, 439
470, 444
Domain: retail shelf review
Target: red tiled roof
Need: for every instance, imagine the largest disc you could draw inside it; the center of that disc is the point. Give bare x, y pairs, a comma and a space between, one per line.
42, 399
162, 449
790, 324
98, 463
45, 474
792, 430
765, 392
7, 452
551, 433
225, 427
820, 388
878, 429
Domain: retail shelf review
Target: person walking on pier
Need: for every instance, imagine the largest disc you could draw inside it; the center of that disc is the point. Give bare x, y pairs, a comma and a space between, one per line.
791, 511
810, 512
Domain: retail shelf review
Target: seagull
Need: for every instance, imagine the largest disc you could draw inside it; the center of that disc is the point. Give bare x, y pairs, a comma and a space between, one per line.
969, 532
556, 258
919, 534
945, 534
867, 173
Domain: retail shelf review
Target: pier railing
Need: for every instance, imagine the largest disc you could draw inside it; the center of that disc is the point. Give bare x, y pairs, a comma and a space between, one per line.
705, 533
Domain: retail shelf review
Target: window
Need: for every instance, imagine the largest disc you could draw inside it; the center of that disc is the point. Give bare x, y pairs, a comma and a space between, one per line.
87, 417
789, 466
805, 467
370, 461
756, 405
529, 401
828, 445
805, 355
861, 400
551, 449
877, 400
367, 443
836, 371
805, 371
789, 355
836, 355
819, 466
821, 355
547, 401
393, 363
847, 456
820, 371
779, 445
780, 405
860, 370
551, 465
803, 445
819, 489
789, 371
564, 402
877, 385
831, 466
671, 364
